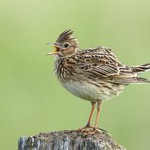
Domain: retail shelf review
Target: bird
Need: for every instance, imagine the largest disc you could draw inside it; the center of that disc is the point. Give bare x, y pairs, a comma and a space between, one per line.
92, 74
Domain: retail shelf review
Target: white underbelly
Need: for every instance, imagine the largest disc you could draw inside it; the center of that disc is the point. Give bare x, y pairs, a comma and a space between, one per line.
89, 91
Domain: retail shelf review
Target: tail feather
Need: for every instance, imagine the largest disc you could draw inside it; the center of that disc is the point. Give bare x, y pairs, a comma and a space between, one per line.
142, 80
129, 75
131, 80
141, 68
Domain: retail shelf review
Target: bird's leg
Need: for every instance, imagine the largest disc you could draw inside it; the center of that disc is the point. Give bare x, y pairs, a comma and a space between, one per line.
87, 128
91, 113
88, 125
97, 115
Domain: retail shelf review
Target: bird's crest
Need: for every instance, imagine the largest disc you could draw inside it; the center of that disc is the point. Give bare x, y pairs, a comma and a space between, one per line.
65, 36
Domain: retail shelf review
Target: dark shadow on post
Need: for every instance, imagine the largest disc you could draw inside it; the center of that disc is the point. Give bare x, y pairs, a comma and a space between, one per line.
69, 140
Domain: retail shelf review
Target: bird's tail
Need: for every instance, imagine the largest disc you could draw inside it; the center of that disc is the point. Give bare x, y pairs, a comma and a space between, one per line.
141, 68
134, 76
130, 80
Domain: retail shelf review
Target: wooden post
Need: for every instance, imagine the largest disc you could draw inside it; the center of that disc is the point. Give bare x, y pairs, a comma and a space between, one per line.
69, 140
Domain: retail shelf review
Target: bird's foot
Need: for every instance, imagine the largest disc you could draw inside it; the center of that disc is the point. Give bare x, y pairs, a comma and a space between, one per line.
84, 128
87, 127
89, 130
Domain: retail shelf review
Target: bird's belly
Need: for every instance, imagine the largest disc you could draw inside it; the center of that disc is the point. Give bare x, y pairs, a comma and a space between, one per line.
90, 91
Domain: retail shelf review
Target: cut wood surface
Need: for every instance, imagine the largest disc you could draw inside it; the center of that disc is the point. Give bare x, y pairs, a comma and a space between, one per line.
69, 140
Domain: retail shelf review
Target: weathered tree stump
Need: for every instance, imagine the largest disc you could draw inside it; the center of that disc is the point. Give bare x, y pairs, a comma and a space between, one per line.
69, 140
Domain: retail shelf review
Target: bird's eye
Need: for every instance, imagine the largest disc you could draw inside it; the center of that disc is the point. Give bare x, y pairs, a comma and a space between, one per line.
66, 45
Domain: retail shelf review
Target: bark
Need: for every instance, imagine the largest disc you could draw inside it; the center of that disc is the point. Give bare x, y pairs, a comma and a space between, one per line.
69, 140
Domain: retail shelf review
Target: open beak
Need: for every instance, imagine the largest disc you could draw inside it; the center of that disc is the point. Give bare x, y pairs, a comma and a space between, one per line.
55, 51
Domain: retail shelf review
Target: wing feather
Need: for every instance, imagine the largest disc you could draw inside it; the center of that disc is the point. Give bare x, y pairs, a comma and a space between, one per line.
99, 62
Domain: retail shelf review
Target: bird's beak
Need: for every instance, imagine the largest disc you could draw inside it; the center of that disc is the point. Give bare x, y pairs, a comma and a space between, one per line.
56, 49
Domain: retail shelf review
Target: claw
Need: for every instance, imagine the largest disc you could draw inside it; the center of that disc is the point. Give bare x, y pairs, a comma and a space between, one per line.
87, 127
90, 130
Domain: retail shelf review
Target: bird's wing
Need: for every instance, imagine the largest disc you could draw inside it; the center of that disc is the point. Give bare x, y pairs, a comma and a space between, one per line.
98, 62
101, 63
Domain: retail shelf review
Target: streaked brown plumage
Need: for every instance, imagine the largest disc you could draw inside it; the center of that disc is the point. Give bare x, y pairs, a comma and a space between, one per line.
93, 74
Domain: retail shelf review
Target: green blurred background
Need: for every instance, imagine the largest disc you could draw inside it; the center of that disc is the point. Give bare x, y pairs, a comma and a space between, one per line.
32, 100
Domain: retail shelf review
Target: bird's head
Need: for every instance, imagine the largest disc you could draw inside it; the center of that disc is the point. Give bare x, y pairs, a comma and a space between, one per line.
66, 45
